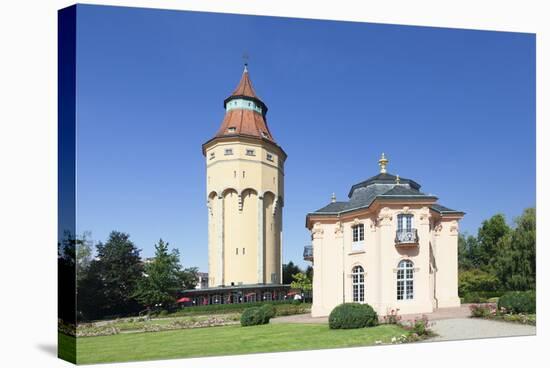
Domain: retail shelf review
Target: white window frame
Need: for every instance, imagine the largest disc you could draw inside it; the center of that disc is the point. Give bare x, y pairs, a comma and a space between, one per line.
405, 221
358, 284
228, 151
357, 237
250, 152
269, 157
405, 280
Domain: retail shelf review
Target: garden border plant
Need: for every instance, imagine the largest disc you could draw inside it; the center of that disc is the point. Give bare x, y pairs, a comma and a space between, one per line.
514, 306
418, 329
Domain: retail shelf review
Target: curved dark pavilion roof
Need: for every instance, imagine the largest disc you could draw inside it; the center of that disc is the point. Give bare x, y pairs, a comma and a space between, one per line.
381, 186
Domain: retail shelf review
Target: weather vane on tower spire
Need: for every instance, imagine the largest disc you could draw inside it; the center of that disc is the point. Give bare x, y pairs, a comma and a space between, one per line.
245, 60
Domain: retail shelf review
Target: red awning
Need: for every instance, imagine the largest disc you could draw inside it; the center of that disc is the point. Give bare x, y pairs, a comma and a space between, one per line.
292, 293
183, 300
250, 294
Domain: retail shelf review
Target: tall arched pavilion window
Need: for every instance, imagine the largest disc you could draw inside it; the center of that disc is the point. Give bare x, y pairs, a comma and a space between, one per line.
405, 280
358, 283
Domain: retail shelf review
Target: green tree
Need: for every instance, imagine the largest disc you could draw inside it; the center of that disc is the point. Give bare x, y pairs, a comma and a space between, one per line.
489, 235
474, 280
163, 278
83, 255
468, 252
309, 272
301, 281
190, 277
111, 280
515, 264
289, 269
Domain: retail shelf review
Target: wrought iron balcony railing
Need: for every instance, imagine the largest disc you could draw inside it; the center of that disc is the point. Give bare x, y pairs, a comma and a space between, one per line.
408, 236
308, 253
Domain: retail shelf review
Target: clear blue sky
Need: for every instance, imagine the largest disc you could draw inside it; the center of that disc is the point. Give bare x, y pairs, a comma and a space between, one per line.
452, 109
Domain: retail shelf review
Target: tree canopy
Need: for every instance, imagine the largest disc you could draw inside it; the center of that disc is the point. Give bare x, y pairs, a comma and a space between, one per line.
504, 254
162, 279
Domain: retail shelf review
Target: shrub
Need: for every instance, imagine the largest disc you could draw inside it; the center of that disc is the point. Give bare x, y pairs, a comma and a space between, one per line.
297, 301
352, 315
252, 317
518, 302
481, 296
419, 327
482, 310
474, 297
268, 310
393, 318
476, 280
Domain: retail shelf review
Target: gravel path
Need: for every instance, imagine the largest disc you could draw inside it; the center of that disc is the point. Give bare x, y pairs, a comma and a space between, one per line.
476, 328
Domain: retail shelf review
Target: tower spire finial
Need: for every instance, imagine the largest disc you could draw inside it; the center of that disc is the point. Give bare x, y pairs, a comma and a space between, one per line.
245, 61
383, 162
333, 198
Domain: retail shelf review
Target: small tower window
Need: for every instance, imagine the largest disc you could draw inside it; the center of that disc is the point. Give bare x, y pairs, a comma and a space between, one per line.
269, 157
212, 155
250, 152
231, 129
264, 134
237, 251
243, 174
228, 151
243, 252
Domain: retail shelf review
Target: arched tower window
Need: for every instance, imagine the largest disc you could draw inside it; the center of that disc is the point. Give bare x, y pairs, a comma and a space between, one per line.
405, 280
358, 283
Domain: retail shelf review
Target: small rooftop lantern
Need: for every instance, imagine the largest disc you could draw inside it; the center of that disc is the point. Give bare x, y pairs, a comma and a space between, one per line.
383, 162
333, 198
397, 179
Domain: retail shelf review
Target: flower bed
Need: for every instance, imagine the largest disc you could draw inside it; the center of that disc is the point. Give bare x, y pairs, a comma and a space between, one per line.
491, 311
143, 325
418, 329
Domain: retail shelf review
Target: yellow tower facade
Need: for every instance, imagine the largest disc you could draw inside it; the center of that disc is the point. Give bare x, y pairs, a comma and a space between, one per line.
245, 194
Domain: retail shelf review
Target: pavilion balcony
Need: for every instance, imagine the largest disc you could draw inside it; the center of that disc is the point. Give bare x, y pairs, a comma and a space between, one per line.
406, 237
308, 253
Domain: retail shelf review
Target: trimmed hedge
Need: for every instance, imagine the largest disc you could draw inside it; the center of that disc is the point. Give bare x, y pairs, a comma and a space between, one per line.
352, 315
518, 302
481, 296
268, 310
476, 280
253, 316
238, 307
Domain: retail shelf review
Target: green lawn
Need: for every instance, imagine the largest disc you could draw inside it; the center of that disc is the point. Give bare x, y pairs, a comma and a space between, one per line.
225, 340
66, 347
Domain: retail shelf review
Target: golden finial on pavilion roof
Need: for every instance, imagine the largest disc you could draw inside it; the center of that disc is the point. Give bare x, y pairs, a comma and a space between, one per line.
383, 162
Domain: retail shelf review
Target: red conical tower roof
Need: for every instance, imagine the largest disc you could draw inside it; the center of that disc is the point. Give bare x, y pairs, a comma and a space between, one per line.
245, 112
245, 86
245, 115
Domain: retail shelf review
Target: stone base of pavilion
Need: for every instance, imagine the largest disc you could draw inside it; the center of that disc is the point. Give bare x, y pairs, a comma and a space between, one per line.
238, 294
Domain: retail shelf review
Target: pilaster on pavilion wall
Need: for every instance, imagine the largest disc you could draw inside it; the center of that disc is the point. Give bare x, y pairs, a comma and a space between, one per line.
446, 233
342, 272
422, 293
317, 236
386, 286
